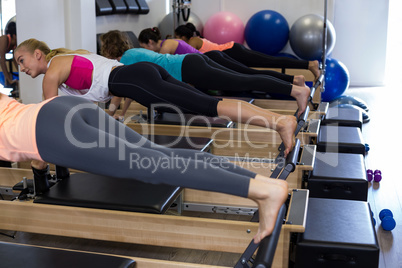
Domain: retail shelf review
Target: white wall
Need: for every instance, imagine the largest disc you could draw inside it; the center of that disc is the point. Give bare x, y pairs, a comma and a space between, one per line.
136, 23
133, 22
80, 24
33, 23
59, 23
360, 26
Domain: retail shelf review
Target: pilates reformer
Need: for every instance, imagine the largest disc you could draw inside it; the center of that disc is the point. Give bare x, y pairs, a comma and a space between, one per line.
241, 132
244, 154
334, 177
109, 224
166, 124
243, 261
258, 157
44, 257
199, 201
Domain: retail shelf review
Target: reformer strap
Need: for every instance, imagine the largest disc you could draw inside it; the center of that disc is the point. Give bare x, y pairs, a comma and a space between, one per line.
266, 248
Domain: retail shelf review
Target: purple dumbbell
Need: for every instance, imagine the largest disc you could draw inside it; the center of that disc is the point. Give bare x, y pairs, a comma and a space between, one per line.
370, 175
377, 171
377, 177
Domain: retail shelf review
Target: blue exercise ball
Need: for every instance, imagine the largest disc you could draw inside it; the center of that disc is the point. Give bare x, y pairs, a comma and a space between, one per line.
336, 80
267, 31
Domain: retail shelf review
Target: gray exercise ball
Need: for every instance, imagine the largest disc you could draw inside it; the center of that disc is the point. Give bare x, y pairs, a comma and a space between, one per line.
306, 37
166, 25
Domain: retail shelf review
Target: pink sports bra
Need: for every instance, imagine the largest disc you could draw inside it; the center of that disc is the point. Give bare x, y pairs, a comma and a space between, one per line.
80, 74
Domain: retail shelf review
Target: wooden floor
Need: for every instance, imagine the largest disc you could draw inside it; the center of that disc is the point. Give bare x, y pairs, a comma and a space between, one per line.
382, 133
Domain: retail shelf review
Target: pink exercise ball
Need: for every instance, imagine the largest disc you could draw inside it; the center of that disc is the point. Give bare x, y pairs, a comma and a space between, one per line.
224, 27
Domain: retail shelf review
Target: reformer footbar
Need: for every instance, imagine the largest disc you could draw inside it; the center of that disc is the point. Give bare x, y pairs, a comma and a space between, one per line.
266, 248
317, 83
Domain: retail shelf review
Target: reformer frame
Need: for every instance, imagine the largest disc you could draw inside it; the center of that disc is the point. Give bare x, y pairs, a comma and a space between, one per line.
242, 132
117, 225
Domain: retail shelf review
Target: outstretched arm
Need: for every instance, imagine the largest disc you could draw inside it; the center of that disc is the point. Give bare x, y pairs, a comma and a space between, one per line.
56, 74
126, 105
114, 104
8, 78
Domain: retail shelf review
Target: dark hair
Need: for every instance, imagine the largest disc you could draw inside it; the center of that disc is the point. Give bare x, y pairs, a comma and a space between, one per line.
183, 30
11, 28
149, 34
193, 29
114, 44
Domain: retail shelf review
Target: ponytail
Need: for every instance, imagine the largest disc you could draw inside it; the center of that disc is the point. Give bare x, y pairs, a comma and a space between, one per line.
183, 31
32, 44
194, 30
64, 51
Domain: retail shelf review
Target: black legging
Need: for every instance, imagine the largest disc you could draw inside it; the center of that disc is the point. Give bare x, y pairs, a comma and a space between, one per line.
228, 62
253, 58
206, 74
148, 83
75, 133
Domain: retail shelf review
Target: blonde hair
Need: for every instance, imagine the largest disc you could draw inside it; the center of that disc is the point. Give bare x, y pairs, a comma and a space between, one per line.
32, 44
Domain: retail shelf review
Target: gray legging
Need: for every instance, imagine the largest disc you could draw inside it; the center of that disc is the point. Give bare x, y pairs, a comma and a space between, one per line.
75, 133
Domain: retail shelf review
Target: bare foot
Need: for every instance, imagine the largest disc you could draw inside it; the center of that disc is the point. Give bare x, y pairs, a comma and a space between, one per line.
299, 80
38, 164
267, 179
286, 128
301, 94
314, 67
270, 195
